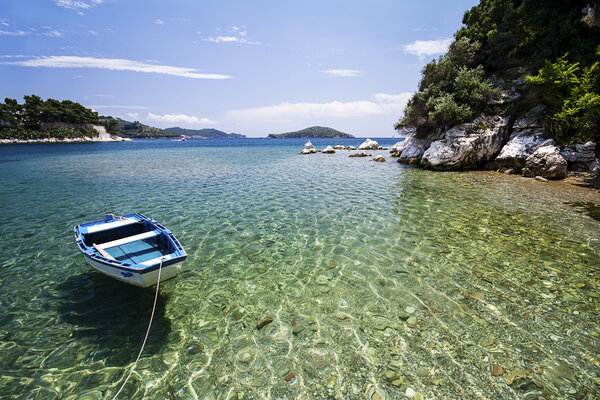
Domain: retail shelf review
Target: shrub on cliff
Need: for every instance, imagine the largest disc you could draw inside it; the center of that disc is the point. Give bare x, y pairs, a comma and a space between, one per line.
452, 91
572, 94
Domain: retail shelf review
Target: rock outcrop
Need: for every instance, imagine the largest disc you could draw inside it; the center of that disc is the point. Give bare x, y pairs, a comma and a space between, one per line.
526, 137
369, 145
579, 156
468, 145
328, 150
547, 162
412, 151
309, 148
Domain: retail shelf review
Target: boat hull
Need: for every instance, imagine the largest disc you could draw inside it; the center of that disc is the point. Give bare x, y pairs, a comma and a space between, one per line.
140, 278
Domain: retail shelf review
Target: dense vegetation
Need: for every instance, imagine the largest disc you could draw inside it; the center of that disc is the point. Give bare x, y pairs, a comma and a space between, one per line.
501, 41
135, 129
204, 133
312, 132
38, 119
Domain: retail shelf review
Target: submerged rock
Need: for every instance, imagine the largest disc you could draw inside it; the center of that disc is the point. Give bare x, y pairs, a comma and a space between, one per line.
263, 322
361, 154
369, 145
379, 159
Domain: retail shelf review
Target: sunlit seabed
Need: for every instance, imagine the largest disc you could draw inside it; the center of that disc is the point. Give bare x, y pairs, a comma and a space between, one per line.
378, 277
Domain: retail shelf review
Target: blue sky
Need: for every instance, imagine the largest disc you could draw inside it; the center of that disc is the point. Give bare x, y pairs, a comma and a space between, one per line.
250, 67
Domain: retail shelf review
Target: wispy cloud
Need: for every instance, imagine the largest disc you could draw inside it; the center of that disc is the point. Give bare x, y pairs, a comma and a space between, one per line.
170, 119
344, 73
15, 33
77, 5
234, 35
158, 21
380, 104
422, 48
107, 106
116, 64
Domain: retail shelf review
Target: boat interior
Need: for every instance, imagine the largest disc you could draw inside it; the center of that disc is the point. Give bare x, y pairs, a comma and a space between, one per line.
134, 243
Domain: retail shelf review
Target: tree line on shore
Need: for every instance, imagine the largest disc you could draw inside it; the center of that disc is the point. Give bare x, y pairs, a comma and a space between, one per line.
36, 118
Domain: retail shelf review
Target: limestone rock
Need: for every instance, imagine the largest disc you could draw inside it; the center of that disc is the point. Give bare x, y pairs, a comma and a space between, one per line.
412, 151
361, 154
397, 148
579, 156
369, 145
546, 161
338, 147
309, 148
468, 145
350, 148
328, 150
520, 146
379, 159
526, 137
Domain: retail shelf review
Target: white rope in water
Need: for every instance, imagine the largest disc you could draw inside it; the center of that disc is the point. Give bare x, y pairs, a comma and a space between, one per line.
147, 332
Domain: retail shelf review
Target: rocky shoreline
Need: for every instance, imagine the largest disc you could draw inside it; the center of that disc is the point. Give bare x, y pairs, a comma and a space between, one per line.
491, 143
498, 143
102, 136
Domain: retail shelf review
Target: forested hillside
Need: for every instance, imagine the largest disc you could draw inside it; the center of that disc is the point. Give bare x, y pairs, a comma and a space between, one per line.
549, 51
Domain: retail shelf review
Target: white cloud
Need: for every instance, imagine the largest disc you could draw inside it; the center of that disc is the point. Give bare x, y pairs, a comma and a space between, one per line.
159, 21
345, 73
14, 33
113, 64
381, 104
75, 5
236, 35
423, 48
53, 33
170, 119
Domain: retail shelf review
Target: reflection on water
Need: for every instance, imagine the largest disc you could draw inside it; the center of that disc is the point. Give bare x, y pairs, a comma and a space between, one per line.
381, 280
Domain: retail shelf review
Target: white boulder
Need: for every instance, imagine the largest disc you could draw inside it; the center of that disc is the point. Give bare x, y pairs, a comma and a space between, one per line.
546, 161
369, 145
328, 150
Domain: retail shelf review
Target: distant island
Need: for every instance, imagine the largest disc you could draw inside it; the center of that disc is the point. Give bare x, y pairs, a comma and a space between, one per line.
312, 132
128, 129
204, 133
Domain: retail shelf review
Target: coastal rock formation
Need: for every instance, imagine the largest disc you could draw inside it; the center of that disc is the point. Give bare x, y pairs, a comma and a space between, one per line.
339, 147
328, 150
468, 145
369, 145
309, 148
527, 136
412, 150
547, 162
579, 156
379, 159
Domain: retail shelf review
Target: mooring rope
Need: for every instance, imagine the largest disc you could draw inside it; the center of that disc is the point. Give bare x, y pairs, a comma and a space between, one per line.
147, 332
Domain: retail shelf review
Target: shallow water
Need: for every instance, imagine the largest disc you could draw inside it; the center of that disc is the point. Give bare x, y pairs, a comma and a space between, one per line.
456, 283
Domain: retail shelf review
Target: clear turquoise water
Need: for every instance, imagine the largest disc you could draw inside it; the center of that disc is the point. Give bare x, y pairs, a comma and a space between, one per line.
338, 251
